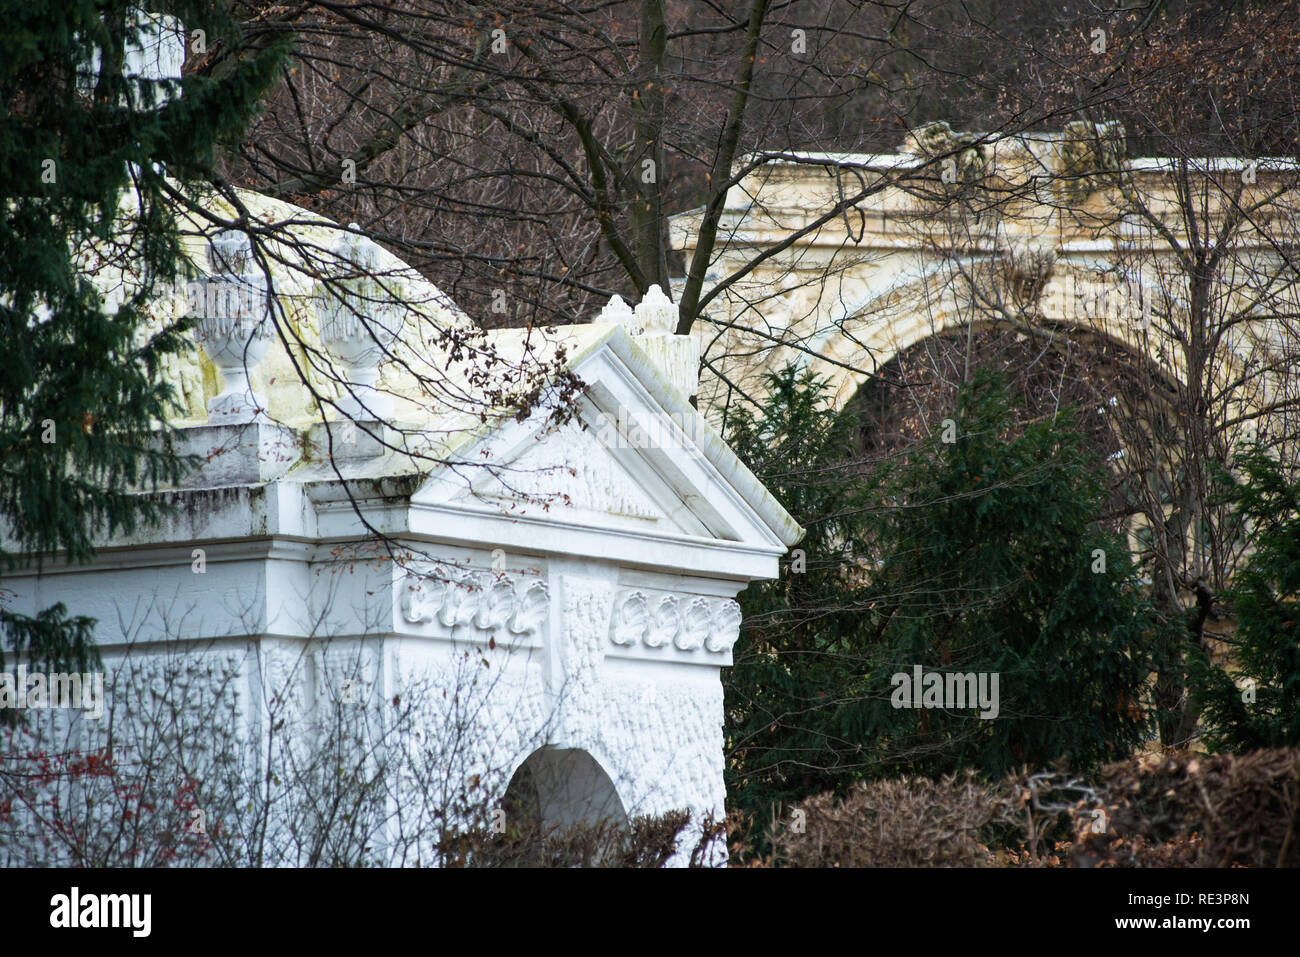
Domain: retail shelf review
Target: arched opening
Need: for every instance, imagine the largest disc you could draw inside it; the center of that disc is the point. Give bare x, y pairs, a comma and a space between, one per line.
1122, 406
560, 787
1057, 367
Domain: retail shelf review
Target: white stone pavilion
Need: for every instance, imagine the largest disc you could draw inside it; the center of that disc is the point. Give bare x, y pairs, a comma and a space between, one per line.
375, 528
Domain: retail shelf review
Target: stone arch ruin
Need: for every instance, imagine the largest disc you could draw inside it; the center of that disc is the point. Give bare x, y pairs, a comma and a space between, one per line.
1038, 228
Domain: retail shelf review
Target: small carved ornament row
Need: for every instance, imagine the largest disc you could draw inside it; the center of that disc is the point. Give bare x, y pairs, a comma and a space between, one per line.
480, 600
488, 602
657, 621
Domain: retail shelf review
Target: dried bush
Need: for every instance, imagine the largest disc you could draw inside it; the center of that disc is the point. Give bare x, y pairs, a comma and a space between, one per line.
1180, 810
908, 822
1196, 810
643, 841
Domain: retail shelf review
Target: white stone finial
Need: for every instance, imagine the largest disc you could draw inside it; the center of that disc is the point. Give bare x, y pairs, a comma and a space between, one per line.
620, 313
232, 326
230, 252
656, 312
159, 51
153, 56
653, 327
360, 316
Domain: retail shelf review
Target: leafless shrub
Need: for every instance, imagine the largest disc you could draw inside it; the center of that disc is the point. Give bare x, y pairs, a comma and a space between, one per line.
642, 841
1179, 810
907, 822
1195, 810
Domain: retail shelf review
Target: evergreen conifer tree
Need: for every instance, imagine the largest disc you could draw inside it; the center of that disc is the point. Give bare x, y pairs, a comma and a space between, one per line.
95, 164
1253, 700
981, 554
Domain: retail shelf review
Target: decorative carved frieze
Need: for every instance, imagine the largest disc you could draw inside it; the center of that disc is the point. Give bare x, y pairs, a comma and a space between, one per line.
531, 608
685, 622
496, 604
456, 607
726, 627
697, 620
481, 600
487, 603
631, 617
663, 623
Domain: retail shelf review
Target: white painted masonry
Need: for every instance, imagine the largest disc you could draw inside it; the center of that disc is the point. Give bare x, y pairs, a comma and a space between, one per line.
592, 586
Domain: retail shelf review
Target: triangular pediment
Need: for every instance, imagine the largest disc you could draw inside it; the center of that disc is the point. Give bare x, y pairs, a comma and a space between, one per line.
570, 471
633, 456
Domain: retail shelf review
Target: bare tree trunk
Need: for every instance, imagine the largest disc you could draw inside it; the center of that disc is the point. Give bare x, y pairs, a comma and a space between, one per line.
648, 223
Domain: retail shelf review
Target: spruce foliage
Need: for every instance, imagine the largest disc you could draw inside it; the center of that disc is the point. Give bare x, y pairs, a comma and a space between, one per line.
1255, 701
95, 165
983, 554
